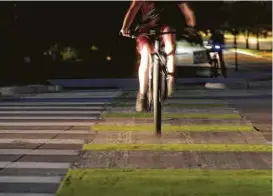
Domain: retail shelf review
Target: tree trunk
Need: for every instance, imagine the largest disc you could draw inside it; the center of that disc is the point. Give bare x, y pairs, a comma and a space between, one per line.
247, 39
257, 37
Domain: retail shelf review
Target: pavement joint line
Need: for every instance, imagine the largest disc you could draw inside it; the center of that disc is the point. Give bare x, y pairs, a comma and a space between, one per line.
34, 165
38, 152
42, 141
30, 179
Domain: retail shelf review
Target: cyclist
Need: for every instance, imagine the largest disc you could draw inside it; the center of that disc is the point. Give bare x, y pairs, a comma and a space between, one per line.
217, 38
145, 46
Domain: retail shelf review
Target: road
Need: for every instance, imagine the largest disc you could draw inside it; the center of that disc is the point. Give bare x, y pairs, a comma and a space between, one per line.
41, 135
258, 111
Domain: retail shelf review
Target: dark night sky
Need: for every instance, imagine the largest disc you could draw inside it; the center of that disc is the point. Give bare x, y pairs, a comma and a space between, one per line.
95, 22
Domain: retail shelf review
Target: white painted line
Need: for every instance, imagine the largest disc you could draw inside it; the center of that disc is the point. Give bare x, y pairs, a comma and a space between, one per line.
37, 152
51, 107
70, 97
72, 132
26, 194
36, 165
47, 118
50, 112
30, 179
77, 94
41, 141
37, 123
51, 103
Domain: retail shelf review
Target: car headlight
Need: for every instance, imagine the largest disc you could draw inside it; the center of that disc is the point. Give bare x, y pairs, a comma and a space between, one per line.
217, 47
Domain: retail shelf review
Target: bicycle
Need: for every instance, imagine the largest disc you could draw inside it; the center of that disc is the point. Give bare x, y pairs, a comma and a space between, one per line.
213, 51
158, 75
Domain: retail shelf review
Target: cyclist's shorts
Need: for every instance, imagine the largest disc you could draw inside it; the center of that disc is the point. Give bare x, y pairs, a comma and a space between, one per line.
145, 39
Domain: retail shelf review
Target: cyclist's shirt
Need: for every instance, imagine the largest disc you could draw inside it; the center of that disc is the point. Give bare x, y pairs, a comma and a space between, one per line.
146, 8
167, 12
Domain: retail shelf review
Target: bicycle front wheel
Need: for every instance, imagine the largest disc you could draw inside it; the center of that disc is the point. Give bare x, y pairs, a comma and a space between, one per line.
157, 92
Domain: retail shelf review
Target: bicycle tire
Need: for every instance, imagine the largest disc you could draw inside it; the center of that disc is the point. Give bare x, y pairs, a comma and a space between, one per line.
150, 95
215, 68
157, 92
164, 86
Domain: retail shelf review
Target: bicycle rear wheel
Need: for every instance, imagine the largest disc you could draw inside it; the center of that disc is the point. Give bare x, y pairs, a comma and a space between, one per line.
150, 94
215, 68
164, 85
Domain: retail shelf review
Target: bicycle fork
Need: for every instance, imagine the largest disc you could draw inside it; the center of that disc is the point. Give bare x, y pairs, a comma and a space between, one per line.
157, 90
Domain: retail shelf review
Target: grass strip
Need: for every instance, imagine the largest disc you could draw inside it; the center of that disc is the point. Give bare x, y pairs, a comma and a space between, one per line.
166, 182
180, 147
169, 127
171, 115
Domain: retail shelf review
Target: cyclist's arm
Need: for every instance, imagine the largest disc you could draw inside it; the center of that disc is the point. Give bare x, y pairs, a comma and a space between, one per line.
131, 13
188, 13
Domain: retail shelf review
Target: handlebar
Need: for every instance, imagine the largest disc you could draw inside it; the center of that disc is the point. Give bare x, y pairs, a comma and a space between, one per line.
134, 35
190, 37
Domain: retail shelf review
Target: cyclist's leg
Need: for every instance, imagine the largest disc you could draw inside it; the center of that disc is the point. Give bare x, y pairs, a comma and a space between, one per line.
169, 41
144, 47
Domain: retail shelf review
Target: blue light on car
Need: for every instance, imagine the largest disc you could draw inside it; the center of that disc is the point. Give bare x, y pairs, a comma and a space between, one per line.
217, 47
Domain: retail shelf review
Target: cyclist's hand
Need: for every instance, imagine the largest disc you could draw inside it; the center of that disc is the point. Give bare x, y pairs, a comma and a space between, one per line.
125, 32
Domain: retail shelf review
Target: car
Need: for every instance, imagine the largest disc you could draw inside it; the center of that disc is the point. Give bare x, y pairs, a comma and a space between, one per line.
190, 54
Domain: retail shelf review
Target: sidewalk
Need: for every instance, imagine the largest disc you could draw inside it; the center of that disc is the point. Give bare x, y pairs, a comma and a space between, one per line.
10, 91
205, 136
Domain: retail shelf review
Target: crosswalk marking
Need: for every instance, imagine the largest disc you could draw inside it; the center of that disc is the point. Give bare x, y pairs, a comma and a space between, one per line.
34, 116
50, 112
49, 123
52, 103
29, 108
37, 152
26, 194
47, 118
76, 132
35, 165
30, 179
41, 141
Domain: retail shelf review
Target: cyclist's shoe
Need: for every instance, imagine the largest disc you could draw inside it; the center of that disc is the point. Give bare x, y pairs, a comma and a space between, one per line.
141, 103
171, 86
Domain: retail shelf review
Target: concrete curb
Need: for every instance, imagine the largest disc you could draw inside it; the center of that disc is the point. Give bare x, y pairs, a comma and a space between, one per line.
30, 89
